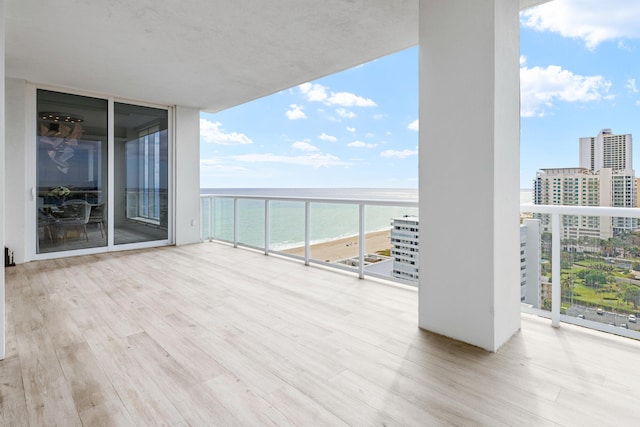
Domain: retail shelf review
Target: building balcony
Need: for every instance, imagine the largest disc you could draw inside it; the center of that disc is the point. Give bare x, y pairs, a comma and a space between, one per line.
206, 334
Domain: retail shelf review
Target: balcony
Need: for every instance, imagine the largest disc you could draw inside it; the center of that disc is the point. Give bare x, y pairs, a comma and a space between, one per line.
248, 221
210, 335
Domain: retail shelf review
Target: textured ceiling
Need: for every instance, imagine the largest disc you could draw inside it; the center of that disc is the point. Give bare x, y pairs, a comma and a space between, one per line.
209, 54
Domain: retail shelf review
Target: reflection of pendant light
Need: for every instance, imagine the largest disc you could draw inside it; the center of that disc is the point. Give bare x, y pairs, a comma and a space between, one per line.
61, 117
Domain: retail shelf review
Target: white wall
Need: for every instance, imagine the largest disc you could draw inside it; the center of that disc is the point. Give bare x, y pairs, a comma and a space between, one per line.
2, 178
469, 214
187, 185
17, 192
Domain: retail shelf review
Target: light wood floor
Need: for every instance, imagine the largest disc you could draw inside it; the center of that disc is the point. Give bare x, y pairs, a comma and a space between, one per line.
210, 335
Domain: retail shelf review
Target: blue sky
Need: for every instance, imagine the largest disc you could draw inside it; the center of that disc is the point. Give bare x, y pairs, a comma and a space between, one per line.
580, 72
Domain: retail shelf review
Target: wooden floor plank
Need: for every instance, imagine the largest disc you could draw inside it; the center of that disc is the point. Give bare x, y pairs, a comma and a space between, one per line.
210, 335
12, 398
93, 394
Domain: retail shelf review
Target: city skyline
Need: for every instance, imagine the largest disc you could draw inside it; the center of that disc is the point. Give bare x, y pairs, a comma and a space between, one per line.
580, 73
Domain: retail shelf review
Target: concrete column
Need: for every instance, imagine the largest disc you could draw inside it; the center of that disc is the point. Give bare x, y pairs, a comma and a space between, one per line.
187, 175
2, 178
469, 170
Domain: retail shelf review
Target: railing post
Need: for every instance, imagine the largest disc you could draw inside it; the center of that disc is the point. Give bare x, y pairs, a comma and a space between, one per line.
267, 228
211, 202
556, 249
235, 223
307, 232
361, 241
202, 218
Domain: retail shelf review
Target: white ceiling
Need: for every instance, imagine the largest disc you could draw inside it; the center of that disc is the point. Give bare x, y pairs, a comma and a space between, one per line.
209, 54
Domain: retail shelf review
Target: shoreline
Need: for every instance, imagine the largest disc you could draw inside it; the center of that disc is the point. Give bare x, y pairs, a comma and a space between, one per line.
346, 247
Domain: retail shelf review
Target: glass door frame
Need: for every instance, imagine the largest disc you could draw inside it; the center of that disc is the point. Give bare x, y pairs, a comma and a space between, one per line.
31, 201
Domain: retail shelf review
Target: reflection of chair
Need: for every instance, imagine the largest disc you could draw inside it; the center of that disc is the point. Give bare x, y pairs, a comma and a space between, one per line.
97, 217
74, 216
45, 222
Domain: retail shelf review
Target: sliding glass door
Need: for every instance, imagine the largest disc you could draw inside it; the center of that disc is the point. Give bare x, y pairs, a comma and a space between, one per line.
71, 172
99, 186
141, 174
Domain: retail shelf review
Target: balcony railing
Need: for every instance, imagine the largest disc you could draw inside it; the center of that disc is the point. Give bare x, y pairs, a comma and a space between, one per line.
297, 227
590, 266
293, 227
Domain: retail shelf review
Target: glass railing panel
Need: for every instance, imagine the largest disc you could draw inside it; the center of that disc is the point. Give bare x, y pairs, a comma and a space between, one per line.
600, 275
391, 242
251, 222
286, 222
334, 233
206, 203
536, 261
223, 219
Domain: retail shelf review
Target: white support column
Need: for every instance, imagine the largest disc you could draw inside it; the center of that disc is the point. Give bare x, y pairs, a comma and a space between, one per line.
2, 179
469, 170
187, 175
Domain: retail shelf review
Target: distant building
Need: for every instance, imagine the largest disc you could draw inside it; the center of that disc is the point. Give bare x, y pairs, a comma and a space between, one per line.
405, 232
530, 268
404, 247
606, 151
605, 178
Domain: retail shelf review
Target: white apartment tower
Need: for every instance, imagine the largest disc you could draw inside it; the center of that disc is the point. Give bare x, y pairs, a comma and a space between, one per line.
405, 232
530, 269
605, 178
404, 247
606, 151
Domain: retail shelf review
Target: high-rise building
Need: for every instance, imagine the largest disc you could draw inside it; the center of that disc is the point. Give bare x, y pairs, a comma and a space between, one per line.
530, 269
605, 178
404, 247
606, 151
405, 232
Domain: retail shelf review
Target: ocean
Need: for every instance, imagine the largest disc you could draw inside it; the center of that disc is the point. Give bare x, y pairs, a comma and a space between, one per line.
328, 221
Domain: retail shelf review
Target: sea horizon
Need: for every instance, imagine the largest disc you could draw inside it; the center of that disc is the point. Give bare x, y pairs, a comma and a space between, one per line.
330, 221
395, 194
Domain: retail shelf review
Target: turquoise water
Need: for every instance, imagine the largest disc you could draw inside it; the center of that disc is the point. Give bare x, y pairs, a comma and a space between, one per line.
328, 221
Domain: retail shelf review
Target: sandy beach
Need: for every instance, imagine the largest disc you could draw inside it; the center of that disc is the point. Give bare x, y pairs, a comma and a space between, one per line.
346, 248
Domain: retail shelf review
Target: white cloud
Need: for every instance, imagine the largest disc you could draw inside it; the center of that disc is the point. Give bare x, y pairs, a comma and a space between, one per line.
214, 133
344, 113
347, 99
541, 87
313, 92
360, 144
399, 154
379, 116
220, 167
414, 125
591, 21
304, 146
323, 136
370, 135
316, 160
295, 112
350, 129
631, 86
